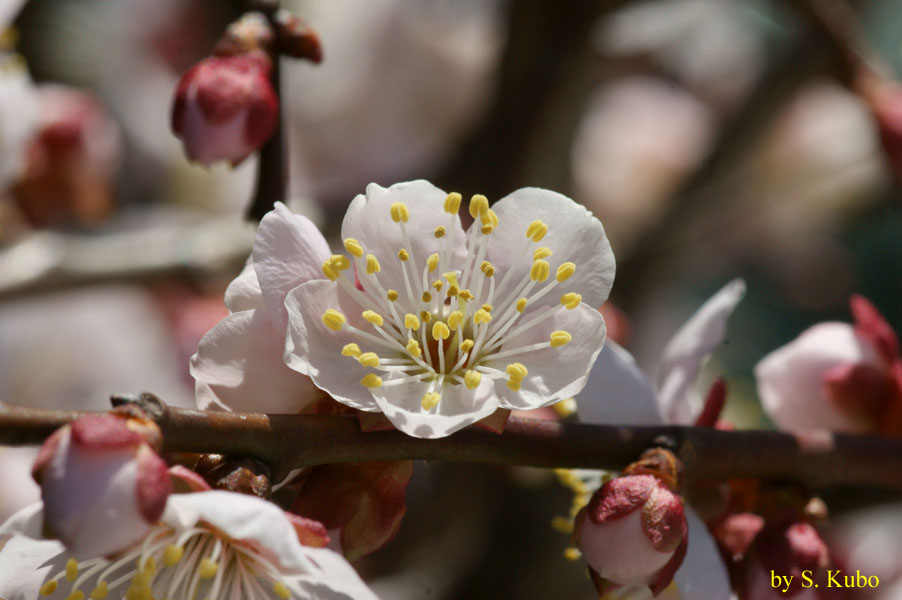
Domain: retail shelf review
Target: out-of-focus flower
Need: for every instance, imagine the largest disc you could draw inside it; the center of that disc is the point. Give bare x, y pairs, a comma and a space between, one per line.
18, 115
446, 327
102, 484
836, 376
212, 544
225, 108
70, 161
868, 541
646, 519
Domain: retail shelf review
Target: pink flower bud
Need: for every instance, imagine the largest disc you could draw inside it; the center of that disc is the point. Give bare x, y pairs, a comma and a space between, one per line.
102, 485
225, 108
632, 533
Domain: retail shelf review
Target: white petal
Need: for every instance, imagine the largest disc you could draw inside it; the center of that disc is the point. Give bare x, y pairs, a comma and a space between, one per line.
244, 292
368, 220
633, 560
702, 574
19, 488
554, 374
618, 392
288, 251
574, 235
27, 521
457, 408
239, 366
315, 350
25, 563
791, 378
689, 348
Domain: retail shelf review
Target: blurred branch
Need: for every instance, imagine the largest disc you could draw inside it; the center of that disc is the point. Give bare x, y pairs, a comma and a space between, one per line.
294, 441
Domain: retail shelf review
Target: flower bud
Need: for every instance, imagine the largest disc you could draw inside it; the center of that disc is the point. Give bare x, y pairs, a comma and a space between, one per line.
102, 484
632, 533
225, 108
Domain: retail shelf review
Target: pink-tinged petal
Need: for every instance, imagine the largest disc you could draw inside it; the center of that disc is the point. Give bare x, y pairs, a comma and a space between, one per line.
574, 235
104, 432
315, 350
289, 250
369, 221
244, 292
239, 367
185, 481
553, 374
458, 407
621, 497
863, 393
873, 326
714, 403
791, 379
737, 532
687, 351
153, 485
49, 449
663, 520
614, 377
667, 572
310, 533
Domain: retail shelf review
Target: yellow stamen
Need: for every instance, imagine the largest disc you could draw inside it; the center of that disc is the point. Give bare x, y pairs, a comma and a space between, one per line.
560, 338
150, 565
517, 371
481, 316
472, 379
487, 307
328, 271
340, 262
487, 269
541, 252
540, 270
432, 262
571, 300
353, 247
452, 203
565, 408
440, 232
487, 228
403, 255
562, 524
172, 554
77, 595
413, 347
454, 319
466, 346
565, 271
430, 400
479, 204
427, 297
521, 304
71, 569
451, 276
373, 317
333, 319
392, 295
100, 592
465, 295
372, 264
411, 321
440, 330
368, 359
453, 291
371, 380
207, 568
49, 587
514, 384
536, 231
426, 316
438, 284
572, 554
489, 218
281, 590
399, 212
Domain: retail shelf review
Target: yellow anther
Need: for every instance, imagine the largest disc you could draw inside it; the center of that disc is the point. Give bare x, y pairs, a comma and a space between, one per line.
452, 203
100, 591
340, 262
330, 273
487, 228
572, 554
466, 346
281, 590
540, 270
373, 317
411, 321
514, 384
350, 350
150, 565
430, 400
71, 569
562, 524
413, 348
368, 359
207, 568
560, 338
440, 331
481, 316
465, 295
372, 264
432, 262
392, 295
487, 307
438, 284
49, 587
371, 380
453, 291
451, 276
140, 580
571, 300
479, 204
333, 319
472, 379
172, 554
489, 218
399, 212
427, 297
565, 408
536, 231
517, 371
487, 269
440, 232
541, 252
454, 319
76, 595
565, 271
521, 304
426, 316
353, 247
403, 255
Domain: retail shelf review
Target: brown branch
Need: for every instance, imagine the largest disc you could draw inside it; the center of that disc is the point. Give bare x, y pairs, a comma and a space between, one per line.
294, 441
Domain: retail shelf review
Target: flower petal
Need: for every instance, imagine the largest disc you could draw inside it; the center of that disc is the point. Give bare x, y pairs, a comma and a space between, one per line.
702, 574
574, 235
457, 408
553, 374
288, 251
238, 366
244, 292
25, 563
315, 350
618, 392
689, 348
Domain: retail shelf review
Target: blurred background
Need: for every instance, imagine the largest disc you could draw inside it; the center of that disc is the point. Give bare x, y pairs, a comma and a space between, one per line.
714, 139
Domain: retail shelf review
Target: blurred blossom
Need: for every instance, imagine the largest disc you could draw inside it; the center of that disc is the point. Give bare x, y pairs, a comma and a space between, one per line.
8, 11
639, 138
868, 540
18, 116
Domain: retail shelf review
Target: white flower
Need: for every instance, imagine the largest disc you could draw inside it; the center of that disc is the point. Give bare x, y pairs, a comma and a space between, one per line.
448, 326
207, 545
18, 113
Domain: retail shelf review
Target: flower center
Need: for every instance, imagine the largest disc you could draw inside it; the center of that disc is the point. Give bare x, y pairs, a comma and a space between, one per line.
445, 323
